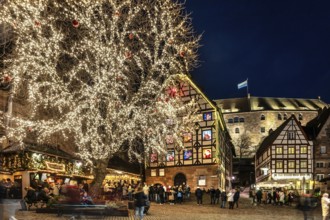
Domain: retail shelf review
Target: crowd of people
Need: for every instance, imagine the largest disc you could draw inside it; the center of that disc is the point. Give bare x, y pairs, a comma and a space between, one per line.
45, 192
9, 189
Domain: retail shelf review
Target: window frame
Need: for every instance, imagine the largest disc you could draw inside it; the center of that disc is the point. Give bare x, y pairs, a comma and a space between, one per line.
291, 148
303, 149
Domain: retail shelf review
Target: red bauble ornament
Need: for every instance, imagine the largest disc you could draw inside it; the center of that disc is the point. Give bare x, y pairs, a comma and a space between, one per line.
172, 92
75, 23
37, 23
131, 36
128, 55
7, 78
182, 53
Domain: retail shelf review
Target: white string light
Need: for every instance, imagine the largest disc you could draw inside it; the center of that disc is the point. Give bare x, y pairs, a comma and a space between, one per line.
92, 75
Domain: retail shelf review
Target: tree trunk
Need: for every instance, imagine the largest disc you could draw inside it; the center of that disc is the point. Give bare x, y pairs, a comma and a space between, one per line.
99, 172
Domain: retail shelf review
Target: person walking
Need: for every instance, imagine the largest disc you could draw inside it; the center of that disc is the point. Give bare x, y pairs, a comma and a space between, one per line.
217, 195
230, 199
212, 194
223, 199
139, 202
199, 196
236, 197
325, 201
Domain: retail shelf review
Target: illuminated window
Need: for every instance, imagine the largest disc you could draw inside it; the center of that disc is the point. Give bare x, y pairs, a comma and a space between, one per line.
303, 164
262, 117
279, 150
303, 150
323, 149
153, 172
161, 172
291, 135
292, 164
291, 150
279, 164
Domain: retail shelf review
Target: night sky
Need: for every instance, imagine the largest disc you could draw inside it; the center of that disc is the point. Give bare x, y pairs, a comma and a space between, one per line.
281, 46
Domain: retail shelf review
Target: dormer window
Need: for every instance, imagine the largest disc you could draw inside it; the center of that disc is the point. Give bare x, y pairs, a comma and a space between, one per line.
279, 117
262, 117
300, 117
241, 119
285, 117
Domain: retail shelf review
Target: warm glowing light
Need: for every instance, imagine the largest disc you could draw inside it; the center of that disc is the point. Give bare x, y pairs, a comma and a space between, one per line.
92, 75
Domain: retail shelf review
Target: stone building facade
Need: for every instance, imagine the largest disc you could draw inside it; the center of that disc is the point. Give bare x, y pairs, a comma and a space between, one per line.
319, 131
257, 116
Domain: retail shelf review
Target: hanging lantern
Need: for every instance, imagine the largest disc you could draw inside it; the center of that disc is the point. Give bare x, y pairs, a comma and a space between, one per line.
75, 23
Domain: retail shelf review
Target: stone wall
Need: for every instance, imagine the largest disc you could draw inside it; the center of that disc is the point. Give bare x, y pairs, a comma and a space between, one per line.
252, 125
192, 173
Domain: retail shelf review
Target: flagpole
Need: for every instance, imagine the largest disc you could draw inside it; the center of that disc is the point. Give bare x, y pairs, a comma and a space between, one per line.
247, 86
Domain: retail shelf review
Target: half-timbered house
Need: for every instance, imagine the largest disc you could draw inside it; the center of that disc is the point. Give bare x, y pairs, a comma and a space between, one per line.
285, 158
206, 158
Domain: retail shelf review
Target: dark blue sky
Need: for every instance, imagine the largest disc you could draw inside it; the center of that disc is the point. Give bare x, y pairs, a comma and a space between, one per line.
281, 46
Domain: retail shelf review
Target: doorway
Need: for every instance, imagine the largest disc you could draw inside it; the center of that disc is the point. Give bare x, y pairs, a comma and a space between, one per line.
180, 179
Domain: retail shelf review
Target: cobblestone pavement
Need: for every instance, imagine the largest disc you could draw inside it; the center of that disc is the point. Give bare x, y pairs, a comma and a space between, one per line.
190, 210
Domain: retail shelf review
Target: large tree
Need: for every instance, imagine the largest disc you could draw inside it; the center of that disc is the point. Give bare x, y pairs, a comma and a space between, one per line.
92, 76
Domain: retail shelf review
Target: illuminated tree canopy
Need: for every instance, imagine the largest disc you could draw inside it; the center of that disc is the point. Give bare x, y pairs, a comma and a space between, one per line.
93, 75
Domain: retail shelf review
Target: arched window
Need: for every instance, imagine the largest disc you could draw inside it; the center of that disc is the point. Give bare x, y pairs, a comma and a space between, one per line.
279, 117
241, 119
285, 117
230, 120
236, 120
262, 117
237, 130
300, 117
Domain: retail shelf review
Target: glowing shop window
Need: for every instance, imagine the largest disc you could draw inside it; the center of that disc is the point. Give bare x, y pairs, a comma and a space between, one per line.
153, 172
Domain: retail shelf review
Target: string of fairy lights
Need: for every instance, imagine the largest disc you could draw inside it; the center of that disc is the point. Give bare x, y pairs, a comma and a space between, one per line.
95, 74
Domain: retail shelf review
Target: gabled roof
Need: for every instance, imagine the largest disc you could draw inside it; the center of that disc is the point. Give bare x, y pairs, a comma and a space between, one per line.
252, 103
273, 135
314, 126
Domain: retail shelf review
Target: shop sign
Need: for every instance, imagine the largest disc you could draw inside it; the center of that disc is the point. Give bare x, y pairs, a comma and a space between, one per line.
55, 166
